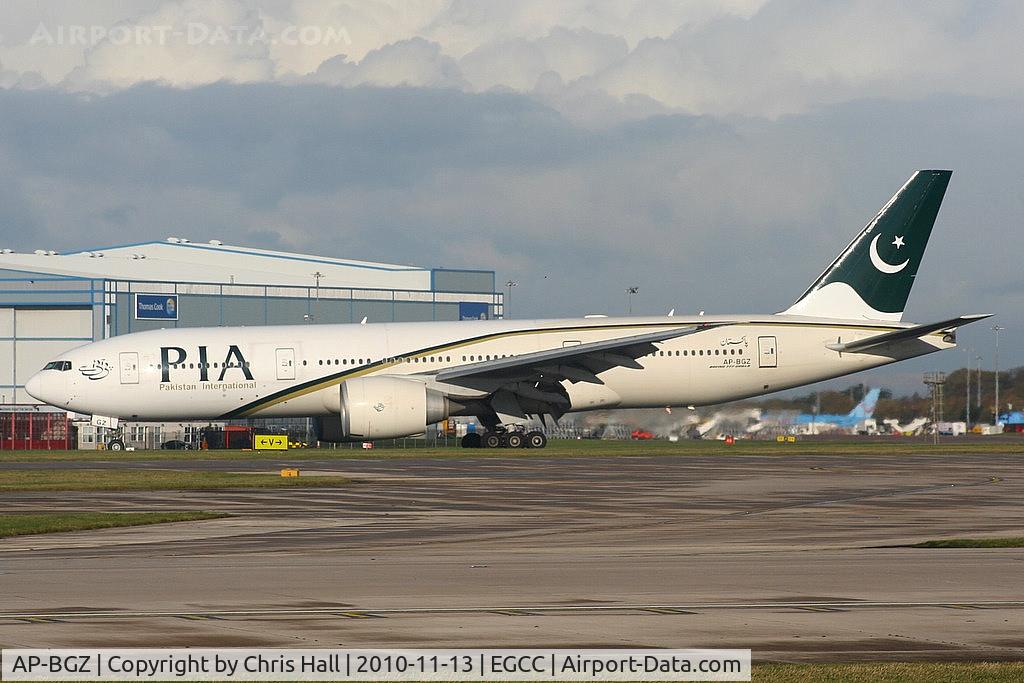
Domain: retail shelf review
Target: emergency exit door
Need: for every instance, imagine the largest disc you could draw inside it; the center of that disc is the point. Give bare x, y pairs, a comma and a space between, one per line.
129, 362
286, 363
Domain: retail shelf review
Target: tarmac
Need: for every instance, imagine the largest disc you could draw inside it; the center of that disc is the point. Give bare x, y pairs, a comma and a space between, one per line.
800, 558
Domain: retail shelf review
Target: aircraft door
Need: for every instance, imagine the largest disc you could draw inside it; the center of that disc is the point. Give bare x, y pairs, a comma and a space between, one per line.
129, 362
766, 352
286, 363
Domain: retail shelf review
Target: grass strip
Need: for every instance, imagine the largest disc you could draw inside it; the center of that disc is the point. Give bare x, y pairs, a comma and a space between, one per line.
152, 480
891, 672
52, 522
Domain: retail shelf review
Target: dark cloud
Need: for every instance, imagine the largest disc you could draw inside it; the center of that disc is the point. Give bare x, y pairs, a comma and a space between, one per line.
721, 214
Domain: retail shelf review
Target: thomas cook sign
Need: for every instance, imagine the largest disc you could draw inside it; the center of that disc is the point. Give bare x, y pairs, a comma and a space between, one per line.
156, 306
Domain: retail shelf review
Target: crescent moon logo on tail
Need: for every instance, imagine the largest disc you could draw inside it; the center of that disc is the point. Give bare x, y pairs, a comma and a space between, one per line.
881, 265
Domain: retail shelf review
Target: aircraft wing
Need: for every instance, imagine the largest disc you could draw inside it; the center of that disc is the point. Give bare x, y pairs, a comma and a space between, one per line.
579, 363
870, 343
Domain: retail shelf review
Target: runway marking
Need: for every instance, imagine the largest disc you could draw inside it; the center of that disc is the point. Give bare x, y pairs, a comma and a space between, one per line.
40, 620
515, 613
524, 610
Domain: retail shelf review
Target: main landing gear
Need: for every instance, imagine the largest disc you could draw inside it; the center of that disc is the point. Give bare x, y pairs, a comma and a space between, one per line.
505, 437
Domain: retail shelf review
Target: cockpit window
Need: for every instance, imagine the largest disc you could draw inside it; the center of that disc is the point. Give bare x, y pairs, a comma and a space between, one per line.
62, 365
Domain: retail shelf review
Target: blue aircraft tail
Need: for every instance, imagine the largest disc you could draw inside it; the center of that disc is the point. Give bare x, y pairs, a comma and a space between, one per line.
866, 408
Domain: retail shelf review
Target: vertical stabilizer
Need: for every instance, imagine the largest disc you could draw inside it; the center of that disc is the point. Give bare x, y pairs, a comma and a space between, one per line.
872, 277
865, 410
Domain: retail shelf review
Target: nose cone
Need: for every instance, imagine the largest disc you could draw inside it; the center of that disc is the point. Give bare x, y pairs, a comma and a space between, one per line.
34, 386
47, 386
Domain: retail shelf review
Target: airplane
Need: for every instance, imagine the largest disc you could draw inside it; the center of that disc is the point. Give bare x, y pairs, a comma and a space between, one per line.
810, 423
364, 382
852, 420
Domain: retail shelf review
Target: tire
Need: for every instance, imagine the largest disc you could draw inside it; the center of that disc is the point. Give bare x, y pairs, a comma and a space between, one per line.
514, 440
115, 445
492, 440
536, 440
471, 440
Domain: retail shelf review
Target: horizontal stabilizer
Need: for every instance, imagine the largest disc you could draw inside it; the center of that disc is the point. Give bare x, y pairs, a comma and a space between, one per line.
905, 334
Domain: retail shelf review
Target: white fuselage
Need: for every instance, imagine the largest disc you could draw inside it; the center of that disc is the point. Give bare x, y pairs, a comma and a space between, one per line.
200, 373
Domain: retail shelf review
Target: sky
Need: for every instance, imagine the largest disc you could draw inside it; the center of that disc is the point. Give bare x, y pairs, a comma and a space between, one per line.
717, 155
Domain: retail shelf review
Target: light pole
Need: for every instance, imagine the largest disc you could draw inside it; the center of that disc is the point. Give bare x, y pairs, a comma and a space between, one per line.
317, 276
630, 291
997, 329
978, 403
967, 408
508, 299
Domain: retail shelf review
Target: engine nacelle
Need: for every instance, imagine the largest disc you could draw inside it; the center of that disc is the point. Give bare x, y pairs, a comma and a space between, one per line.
385, 408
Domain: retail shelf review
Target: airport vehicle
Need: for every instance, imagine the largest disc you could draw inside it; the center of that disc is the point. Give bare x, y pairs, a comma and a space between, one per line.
376, 381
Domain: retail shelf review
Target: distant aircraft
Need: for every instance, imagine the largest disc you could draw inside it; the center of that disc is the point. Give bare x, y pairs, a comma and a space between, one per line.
851, 421
379, 381
809, 423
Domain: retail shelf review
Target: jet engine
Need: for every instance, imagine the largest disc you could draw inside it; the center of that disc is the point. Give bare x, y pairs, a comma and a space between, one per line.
382, 408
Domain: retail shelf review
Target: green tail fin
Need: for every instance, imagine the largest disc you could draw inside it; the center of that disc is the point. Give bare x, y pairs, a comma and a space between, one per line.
872, 277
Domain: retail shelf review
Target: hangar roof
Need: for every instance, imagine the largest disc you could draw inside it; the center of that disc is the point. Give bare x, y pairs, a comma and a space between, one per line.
179, 260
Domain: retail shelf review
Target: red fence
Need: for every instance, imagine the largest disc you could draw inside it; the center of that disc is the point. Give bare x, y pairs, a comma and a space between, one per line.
36, 431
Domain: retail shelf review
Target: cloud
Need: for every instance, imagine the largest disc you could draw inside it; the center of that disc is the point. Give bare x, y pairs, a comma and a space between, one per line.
700, 212
415, 62
747, 57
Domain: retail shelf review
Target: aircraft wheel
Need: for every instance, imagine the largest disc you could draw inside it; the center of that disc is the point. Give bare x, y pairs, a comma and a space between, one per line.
115, 445
492, 440
514, 440
471, 440
536, 440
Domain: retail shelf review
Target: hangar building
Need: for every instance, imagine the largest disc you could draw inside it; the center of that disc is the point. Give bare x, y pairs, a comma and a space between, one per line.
51, 302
